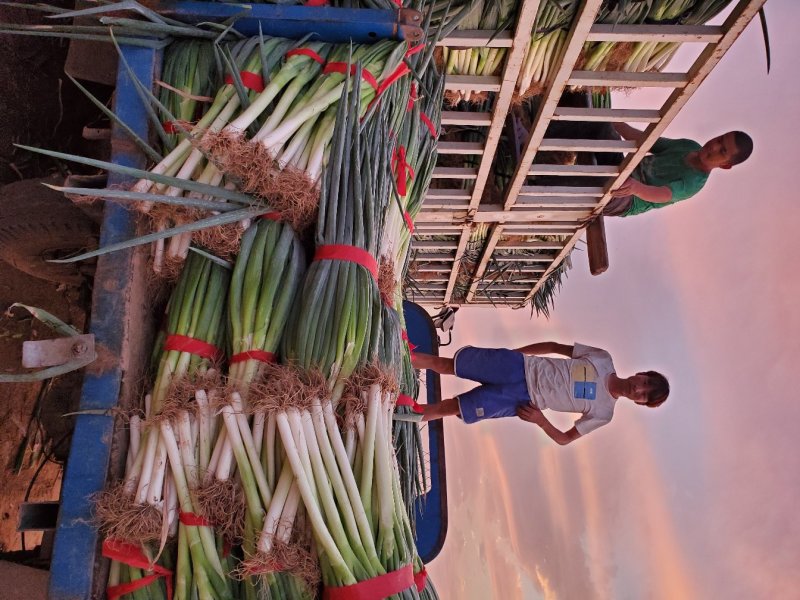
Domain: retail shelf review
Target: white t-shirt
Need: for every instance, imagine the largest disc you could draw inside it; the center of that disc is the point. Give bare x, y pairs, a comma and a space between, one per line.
576, 385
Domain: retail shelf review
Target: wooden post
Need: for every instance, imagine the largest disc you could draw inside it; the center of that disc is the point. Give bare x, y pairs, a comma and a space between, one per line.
596, 246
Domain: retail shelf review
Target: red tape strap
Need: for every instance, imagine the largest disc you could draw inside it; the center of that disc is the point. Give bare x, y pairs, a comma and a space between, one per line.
381, 586
403, 400
341, 67
409, 221
350, 254
415, 50
412, 97
252, 81
421, 579
402, 69
316, 2
259, 355
306, 51
184, 343
403, 170
169, 127
404, 335
130, 554
117, 591
429, 124
272, 216
193, 520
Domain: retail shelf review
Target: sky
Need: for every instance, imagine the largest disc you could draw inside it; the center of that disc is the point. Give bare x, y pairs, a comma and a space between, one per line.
695, 499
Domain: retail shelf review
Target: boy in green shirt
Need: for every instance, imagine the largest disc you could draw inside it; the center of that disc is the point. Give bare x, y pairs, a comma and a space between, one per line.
674, 171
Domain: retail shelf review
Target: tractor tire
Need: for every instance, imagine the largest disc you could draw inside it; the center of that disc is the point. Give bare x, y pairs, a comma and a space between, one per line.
38, 224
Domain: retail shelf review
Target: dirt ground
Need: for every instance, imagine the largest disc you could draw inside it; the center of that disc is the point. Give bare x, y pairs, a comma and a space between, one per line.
41, 108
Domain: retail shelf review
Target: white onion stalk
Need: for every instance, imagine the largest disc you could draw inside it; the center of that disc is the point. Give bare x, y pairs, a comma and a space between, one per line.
327, 546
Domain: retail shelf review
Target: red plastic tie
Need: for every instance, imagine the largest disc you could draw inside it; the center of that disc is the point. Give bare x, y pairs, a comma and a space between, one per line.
272, 216
130, 554
403, 400
409, 221
259, 355
381, 586
169, 127
415, 50
350, 254
402, 69
306, 51
421, 579
412, 97
193, 520
184, 343
403, 170
429, 124
341, 67
404, 335
252, 81
117, 591
316, 2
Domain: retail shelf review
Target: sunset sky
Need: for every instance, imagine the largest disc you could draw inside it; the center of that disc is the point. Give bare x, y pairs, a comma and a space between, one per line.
695, 499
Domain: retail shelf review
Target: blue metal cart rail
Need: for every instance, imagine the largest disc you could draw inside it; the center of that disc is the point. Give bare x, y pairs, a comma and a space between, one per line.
431, 509
359, 25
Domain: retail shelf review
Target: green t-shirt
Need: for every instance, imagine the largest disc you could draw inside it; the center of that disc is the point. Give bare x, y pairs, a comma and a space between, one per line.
666, 166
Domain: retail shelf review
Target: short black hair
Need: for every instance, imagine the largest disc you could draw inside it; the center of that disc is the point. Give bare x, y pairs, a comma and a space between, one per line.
744, 147
659, 388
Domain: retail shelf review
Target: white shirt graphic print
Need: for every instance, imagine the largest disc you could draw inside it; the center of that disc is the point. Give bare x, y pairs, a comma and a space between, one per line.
575, 385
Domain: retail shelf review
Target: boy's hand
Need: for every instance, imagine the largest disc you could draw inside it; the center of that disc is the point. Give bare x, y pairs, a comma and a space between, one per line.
629, 188
531, 414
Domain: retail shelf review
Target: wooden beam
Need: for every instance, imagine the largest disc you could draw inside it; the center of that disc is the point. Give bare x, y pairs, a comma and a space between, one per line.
575, 170
655, 33
587, 145
522, 257
447, 193
478, 38
512, 245
479, 83
455, 173
434, 256
459, 148
457, 117
560, 190
544, 202
613, 115
623, 79
450, 204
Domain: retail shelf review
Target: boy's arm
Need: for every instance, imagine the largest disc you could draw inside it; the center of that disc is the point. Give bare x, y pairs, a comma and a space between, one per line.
657, 194
628, 132
534, 415
547, 348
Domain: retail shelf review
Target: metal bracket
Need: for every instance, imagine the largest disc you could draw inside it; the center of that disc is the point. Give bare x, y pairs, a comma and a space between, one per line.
58, 351
409, 22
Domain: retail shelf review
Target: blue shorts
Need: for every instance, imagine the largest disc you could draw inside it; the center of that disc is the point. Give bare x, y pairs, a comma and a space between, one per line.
502, 373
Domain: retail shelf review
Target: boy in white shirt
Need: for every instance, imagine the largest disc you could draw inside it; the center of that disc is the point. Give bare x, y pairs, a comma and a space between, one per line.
522, 383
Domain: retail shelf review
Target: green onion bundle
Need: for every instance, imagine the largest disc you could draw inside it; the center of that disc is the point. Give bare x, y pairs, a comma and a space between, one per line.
548, 36
189, 77
195, 328
494, 16
336, 323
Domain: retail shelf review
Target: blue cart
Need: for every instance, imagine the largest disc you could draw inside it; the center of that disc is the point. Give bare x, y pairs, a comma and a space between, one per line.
123, 326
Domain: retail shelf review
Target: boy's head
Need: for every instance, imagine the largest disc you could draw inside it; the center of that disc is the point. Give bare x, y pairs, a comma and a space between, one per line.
649, 388
726, 150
